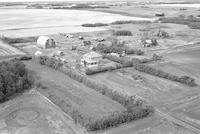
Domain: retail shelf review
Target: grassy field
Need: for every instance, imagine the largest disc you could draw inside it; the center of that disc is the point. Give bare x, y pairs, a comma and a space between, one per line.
150, 125
31, 113
89, 102
180, 57
7, 50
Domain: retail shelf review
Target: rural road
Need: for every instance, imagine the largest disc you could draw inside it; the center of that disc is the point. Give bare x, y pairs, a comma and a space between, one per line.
178, 121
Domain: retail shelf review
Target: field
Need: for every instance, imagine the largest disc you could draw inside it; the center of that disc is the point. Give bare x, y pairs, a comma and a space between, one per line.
6, 50
89, 102
176, 105
35, 22
150, 125
31, 113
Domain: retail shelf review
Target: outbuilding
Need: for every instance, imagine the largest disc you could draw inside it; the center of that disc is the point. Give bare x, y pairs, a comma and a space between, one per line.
46, 42
38, 53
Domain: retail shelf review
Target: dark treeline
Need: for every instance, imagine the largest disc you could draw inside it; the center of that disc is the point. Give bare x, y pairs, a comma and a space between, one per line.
119, 22
191, 21
90, 71
115, 48
123, 33
14, 78
150, 70
94, 25
17, 40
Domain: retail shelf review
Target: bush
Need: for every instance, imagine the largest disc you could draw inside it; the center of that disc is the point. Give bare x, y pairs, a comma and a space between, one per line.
14, 78
94, 25
51, 62
122, 33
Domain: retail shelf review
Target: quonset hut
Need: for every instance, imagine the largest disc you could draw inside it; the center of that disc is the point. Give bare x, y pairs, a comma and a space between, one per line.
46, 42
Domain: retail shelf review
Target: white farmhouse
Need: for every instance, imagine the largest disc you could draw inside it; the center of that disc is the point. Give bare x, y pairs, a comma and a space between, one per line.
91, 59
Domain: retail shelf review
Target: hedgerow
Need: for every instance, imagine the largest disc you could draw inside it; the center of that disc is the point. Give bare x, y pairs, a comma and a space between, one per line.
90, 71
119, 49
129, 22
94, 25
123, 33
136, 107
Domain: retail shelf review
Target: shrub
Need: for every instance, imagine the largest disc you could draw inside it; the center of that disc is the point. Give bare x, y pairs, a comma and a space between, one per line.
14, 78
94, 25
122, 33
51, 62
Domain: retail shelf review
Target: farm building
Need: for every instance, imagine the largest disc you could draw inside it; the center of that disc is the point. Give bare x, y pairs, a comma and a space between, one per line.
91, 59
58, 53
45, 42
38, 53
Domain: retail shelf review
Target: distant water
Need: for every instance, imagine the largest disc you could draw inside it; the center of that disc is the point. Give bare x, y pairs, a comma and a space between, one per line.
180, 5
32, 22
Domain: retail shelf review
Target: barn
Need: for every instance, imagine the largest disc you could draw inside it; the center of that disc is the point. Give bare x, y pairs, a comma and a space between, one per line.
46, 42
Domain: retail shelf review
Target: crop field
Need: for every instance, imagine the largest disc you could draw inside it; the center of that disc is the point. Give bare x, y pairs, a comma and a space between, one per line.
176, 105
31, 113
149, 87
63, 89
7, 50
150, 125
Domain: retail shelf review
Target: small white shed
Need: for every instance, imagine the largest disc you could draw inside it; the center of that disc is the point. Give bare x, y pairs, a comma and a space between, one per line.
38, 53
46, 42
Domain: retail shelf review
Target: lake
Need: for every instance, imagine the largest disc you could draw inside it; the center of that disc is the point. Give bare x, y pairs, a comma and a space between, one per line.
33, 22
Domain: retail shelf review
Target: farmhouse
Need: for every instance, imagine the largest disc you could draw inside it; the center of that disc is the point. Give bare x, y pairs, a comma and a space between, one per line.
45, 42
91, 59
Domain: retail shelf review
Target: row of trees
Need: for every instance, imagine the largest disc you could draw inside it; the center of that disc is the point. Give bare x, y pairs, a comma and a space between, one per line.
90, 71
150, 70
190, 20
136, 107
119, 49
119, 22
94, 25
14, 78
123, 33
137, 64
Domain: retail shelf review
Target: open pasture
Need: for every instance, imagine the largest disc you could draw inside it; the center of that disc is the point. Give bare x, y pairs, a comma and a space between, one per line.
150, 125
69, 93
31, 113
188, 112
7, 50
